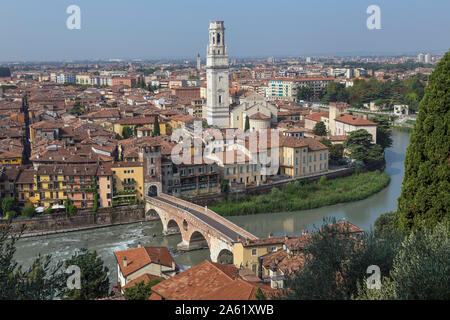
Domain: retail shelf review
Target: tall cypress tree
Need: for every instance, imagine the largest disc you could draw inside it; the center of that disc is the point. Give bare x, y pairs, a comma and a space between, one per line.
425, 193
247, 124
156, 129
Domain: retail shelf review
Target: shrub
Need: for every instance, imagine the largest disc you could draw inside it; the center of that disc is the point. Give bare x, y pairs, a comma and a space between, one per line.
322, 180
29, 211
294, 196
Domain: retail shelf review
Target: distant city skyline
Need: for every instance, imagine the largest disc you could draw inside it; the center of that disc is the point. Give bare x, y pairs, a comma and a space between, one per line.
148, 30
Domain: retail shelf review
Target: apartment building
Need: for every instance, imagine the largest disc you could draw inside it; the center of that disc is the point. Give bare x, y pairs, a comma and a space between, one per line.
128, 182
55, 183
196, 178
66, 78
236, 166
286, 88
302, 156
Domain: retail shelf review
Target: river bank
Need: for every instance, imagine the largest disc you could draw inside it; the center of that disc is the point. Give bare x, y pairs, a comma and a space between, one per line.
298, 196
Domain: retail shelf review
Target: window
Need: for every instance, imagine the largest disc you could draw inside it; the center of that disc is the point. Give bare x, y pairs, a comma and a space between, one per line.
220, 99
254, 252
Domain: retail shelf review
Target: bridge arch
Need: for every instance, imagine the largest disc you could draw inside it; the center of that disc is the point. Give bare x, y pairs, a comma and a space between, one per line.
152, 213
173, 227
197, 241
225, 256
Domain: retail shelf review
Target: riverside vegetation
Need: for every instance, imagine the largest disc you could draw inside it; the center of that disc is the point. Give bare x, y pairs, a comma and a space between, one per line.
302, 196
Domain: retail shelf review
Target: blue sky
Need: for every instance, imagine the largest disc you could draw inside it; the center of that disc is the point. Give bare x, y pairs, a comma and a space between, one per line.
36, 30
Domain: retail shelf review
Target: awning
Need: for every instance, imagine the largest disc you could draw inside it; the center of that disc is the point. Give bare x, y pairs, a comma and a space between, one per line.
40, 209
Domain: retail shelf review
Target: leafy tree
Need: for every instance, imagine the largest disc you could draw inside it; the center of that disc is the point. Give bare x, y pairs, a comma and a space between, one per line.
247, 124
140, 291
335, 92
95, 206
29, 211
94, 276
419, 270
359, 143
320, 129
156, 129
384, 133
305, 93
336, 152
127, 132
43, 280
72, 209
8, 204
224, 186
385, 224
77, 109
424, 197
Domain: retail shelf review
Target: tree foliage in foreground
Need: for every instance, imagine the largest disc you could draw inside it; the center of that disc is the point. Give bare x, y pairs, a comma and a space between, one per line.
420, 268
424, 200
43, 280
336, 261
412, 266
140, 291
94, 276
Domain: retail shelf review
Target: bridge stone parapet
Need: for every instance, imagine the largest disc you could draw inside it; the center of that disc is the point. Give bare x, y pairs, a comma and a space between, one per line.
243, 233
199, 227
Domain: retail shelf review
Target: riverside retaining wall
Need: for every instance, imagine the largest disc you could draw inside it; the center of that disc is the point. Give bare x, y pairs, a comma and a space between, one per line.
55, 223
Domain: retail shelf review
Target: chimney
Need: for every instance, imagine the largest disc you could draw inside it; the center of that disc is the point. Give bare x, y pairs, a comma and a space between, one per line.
125, 263
139, 245
270, 235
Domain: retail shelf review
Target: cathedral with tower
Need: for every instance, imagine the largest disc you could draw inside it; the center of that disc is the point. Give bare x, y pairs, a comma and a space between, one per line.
217, 96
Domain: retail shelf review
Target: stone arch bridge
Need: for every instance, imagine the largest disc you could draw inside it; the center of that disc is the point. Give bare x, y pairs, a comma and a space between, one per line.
199, 226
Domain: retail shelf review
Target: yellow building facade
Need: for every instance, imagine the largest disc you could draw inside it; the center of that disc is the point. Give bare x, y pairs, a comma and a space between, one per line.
128, 182
246, 253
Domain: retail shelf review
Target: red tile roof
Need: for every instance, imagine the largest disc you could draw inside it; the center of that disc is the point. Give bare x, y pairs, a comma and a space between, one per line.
138, 258
196, 281
208, 281
354, 120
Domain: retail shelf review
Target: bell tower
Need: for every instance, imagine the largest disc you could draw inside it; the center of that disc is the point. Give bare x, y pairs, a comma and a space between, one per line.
217, 96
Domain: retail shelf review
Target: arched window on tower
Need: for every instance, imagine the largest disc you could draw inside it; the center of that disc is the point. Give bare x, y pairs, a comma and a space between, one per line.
218, 38
220, 99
